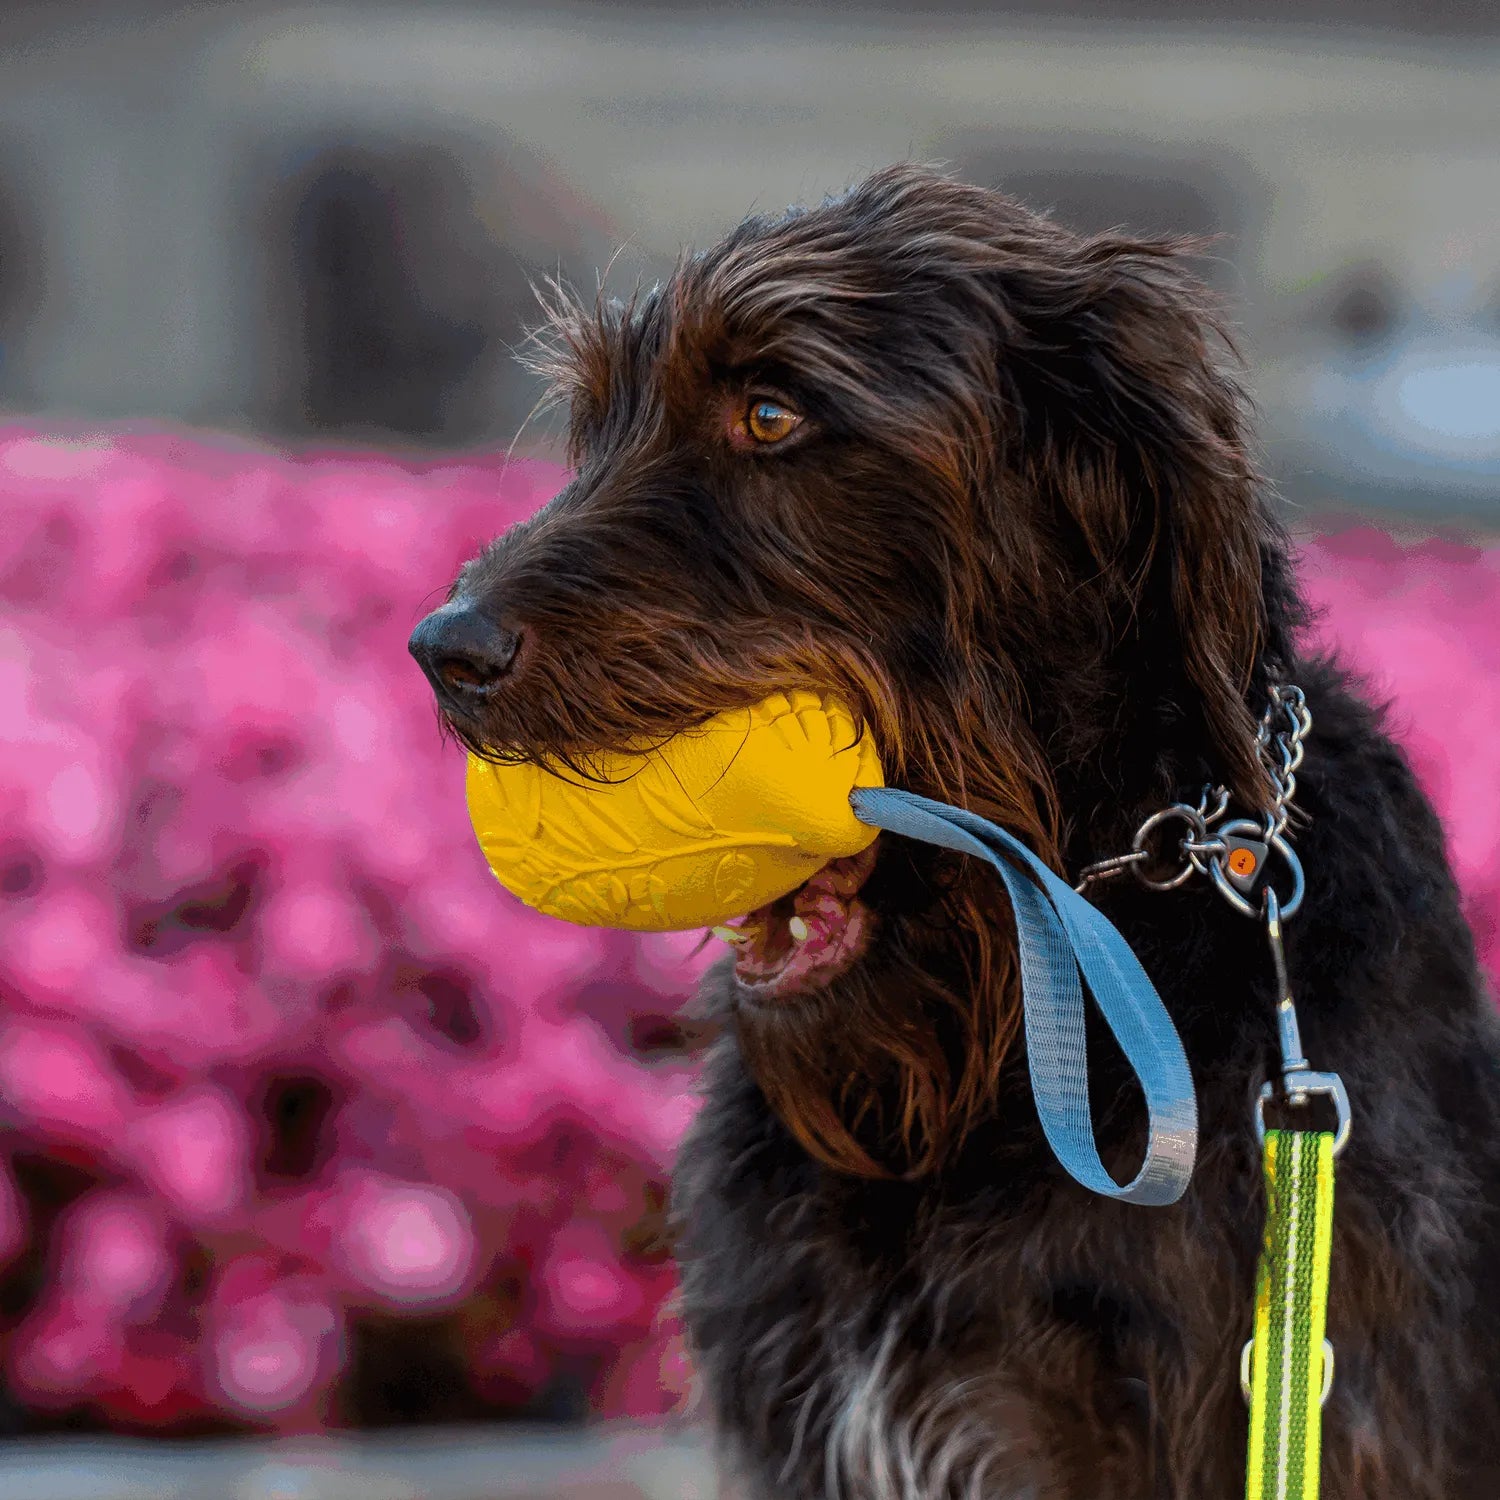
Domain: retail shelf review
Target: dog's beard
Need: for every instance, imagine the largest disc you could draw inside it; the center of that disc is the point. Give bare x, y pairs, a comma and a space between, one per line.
846, 1072
880, 1067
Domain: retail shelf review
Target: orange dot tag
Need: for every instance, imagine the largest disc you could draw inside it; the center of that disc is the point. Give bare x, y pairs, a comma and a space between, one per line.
1242, 862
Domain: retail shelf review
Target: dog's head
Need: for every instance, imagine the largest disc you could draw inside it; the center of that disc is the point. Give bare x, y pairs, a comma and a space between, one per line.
981, 477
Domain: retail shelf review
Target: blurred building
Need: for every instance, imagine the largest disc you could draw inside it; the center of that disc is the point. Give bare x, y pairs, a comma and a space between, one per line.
321, 222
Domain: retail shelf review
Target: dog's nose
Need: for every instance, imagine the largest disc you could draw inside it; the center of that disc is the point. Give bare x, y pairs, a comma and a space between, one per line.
463, 652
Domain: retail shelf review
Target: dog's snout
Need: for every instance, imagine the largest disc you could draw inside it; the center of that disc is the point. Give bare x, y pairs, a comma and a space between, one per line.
462, 651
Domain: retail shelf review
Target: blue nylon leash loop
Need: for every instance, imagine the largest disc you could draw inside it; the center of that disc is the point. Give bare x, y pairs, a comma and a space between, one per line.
1063, 941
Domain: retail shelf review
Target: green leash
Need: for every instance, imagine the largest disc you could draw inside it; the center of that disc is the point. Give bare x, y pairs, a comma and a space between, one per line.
1287, 1366
1291, 1362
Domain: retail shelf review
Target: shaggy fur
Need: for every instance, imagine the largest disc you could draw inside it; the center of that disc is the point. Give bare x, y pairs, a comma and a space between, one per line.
1021, 532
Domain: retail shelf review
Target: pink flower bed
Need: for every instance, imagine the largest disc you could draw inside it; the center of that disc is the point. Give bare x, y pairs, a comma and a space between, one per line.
283, 1068
309, 1067
1421, 622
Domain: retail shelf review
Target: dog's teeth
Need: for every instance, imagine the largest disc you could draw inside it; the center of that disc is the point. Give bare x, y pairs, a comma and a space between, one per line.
728, 935
798, 929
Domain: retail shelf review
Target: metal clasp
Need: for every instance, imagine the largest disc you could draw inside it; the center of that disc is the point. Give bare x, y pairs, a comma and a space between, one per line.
1299, 1082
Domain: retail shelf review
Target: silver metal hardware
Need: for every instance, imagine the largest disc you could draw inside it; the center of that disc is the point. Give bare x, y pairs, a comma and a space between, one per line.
1196, 826
1299, 1082
1232, 854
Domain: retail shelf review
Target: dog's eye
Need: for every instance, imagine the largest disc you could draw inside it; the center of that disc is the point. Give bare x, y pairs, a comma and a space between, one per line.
770, 421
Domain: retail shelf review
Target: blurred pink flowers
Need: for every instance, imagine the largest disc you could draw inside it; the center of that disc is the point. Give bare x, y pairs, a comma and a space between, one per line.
1421, 622
297, 1060
257, 985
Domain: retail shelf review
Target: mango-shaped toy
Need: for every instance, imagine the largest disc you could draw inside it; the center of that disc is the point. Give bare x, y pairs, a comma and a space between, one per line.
719, 821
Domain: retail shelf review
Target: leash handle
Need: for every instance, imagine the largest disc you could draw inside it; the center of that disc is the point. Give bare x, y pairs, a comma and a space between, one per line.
1063, 941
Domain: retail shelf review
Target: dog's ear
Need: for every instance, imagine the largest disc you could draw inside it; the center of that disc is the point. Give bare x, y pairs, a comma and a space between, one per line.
1126, 390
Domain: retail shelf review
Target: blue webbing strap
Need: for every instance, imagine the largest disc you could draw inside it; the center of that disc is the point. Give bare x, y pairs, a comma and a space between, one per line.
1060, 934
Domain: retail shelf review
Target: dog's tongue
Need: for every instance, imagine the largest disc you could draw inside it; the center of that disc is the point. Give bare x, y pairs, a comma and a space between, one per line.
806, 939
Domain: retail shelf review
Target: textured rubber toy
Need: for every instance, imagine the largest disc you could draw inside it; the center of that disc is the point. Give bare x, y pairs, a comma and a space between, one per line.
717, 822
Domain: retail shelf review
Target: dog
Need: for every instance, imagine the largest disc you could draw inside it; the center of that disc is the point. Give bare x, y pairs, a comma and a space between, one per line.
991, 483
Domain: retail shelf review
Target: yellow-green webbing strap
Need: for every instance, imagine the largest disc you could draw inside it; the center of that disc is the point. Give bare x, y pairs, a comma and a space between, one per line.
1291, 1312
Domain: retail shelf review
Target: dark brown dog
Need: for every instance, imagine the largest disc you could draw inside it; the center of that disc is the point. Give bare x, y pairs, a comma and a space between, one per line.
988, 481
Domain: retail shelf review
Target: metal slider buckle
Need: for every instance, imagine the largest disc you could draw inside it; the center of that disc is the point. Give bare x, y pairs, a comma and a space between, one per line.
1245, 1356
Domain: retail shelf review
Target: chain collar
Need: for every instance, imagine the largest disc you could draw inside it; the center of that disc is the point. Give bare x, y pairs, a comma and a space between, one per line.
1232, 852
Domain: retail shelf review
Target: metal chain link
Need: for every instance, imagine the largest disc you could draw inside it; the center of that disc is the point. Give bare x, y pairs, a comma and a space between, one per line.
1281, 751
1231, 853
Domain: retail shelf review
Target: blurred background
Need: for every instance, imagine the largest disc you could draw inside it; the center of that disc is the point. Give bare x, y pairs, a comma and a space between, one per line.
322, 222
326, 1169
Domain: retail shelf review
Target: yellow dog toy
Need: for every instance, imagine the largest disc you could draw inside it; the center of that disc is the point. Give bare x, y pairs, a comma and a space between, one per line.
725, 820
719, 821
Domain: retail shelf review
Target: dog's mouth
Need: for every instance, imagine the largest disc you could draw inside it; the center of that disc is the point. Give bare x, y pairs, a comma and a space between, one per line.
805, 940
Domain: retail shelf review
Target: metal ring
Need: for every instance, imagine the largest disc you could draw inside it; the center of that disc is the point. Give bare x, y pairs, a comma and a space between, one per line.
1298, 1084
1249, 828
1220, 796
1189, 815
